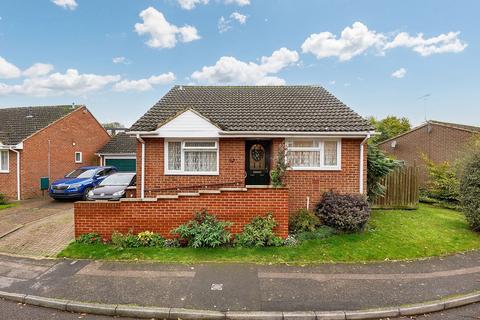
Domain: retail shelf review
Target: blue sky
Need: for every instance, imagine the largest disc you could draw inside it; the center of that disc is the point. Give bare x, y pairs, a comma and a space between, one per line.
370, 54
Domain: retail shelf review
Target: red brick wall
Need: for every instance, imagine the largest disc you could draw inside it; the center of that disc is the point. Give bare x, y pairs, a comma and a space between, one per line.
162, 215
8, 181
313, 183
232, 168
441, 144
79, 128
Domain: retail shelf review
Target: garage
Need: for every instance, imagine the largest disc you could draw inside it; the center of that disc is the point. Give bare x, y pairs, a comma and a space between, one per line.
123, 165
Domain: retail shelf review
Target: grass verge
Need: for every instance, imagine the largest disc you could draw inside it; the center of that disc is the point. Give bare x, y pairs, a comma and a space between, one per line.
390, 235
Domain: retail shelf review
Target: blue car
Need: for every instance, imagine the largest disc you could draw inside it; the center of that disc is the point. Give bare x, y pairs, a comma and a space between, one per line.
79, 182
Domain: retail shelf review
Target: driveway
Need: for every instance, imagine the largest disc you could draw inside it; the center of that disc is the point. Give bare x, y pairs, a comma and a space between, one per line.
36, 228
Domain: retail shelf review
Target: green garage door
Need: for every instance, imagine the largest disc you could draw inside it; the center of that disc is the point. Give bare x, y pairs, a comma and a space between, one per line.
123, 165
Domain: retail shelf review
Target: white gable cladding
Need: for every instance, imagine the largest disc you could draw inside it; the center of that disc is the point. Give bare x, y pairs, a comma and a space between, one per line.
189, 124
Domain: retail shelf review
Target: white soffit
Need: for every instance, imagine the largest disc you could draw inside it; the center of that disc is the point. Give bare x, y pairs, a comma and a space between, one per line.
188, 124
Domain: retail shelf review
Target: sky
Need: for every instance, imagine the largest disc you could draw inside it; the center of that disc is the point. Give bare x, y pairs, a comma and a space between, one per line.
410, 58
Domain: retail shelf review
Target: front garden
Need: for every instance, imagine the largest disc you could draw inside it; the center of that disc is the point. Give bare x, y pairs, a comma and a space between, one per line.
4, 203
389, 235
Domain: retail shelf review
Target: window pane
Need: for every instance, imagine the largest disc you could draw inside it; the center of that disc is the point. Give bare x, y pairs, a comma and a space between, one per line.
330, 148
4, 160
174, 156
199, 144
302, 144
304, 159
200, 161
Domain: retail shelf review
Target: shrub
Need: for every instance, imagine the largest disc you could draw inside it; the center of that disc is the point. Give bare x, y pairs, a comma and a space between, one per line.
89, 238
344, 212
259, 233
277, 175
128, 240
150, 239
378, 167
204, 231
470, 190
3, 199
321, 232
303, 220
443, 183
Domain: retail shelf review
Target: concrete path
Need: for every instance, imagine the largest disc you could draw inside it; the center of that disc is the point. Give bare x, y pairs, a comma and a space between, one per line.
236, 287
37, 227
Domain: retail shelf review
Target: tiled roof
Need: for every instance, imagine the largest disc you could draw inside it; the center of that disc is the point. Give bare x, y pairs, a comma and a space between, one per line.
121, 143
17, 124
258, 108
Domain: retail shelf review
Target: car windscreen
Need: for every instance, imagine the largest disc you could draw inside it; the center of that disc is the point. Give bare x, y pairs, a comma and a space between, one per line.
117, 179
81, 173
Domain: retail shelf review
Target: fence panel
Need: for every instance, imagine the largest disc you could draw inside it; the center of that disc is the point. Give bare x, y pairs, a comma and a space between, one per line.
402, 190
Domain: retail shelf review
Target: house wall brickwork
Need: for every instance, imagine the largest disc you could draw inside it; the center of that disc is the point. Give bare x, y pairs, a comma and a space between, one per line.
439, 142
79, 131
8, 181
164, 215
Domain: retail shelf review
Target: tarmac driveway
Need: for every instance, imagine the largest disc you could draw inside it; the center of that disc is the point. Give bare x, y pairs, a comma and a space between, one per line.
37, 228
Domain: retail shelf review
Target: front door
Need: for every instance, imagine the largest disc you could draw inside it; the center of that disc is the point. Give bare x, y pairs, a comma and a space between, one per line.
257, 162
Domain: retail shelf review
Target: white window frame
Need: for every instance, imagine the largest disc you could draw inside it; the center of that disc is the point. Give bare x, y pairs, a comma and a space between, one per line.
319, 146
8, 162
182, 157
81, 157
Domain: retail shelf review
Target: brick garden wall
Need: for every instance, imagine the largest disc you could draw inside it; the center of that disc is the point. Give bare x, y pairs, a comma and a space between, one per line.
164, 215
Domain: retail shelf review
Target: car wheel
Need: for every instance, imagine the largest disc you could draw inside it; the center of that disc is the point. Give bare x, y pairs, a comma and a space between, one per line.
85, 194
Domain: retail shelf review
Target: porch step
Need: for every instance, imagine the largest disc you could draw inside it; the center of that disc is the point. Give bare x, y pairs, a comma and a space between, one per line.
188, 194
233, 189
209, 191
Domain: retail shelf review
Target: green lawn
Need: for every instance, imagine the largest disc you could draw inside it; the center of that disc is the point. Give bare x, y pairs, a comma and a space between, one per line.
8, 205
391, 235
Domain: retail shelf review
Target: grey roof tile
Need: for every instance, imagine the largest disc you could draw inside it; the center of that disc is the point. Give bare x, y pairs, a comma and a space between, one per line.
120, 143
17, 124
257, 108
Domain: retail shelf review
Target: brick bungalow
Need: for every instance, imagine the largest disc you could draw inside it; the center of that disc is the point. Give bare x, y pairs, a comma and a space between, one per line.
214, 147
440, 141
47, 141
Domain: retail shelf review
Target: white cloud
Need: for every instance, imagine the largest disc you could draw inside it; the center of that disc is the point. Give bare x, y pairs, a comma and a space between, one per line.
162, 33
226, 24
353, 41
190, 4
70, 82
240, 3
8, 70
357, 39
66, 4
120, 60
229, 70
38, 70
400, 73
241, 18
443, 43
145, 84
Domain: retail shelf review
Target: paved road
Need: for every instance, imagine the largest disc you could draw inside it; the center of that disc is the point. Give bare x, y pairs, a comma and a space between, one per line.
37, 227
15, 311
244, 287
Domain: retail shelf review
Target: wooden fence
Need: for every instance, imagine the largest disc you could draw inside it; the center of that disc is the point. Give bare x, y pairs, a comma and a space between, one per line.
402, 190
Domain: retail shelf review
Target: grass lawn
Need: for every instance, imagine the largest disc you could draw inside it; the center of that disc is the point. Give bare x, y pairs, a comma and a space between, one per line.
8, 205
391, 235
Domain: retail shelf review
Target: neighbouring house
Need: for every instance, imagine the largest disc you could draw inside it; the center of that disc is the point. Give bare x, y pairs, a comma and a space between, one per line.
120, 152
214, 147
46, 141
439, 141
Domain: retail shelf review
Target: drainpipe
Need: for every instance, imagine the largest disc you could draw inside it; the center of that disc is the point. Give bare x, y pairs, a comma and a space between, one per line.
361, 161
18, 172
142, 183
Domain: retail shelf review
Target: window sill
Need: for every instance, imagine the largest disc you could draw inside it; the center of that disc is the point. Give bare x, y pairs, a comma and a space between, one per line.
191, 173
314, 169
4, 171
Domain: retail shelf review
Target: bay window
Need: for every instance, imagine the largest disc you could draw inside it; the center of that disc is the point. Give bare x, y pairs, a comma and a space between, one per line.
190, 157
4, 161
314, 154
